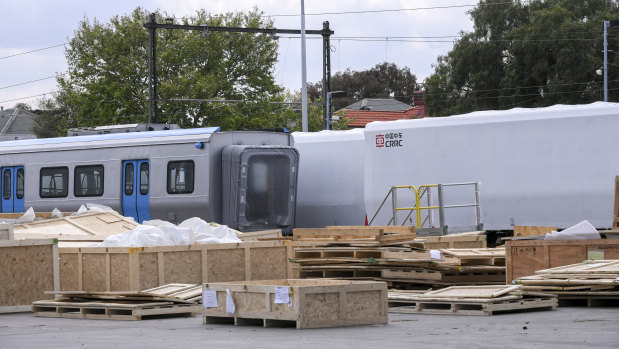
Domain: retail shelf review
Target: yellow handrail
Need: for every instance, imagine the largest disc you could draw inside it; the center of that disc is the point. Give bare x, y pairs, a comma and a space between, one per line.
418, 208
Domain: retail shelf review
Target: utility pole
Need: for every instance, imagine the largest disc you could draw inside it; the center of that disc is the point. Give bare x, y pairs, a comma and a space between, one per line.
326, 71
152, 26
330, 96
152, 71
607, 24
304, 126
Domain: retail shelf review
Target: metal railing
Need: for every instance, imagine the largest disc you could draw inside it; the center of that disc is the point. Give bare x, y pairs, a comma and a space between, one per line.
426, 225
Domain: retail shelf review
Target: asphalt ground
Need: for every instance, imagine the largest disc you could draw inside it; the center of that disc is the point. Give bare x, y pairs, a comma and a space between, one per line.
566, 327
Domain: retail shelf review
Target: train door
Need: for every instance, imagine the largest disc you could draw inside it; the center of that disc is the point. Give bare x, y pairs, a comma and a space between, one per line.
136, 189
13, 189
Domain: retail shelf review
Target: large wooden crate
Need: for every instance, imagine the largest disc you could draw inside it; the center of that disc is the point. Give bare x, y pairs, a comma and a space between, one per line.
28, 268
313, 303
134, 269
527, 256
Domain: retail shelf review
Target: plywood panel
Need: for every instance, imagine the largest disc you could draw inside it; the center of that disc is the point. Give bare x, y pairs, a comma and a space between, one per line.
27, 271
183, 267
119, 272
522, 230
321, 307
363, 304
69, 272
564, 255
94, 266
149, 271
523, 260
226, 265
268, 263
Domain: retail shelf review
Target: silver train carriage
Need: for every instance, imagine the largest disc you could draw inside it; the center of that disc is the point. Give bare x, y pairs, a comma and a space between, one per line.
170, 175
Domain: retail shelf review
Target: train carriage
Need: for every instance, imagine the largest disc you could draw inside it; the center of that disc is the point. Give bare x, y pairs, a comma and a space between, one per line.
170, 175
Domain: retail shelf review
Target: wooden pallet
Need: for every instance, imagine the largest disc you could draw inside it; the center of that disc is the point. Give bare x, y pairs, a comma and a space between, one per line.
470, 300
589, 283
181, 293
477, 256
116, 310
356, 235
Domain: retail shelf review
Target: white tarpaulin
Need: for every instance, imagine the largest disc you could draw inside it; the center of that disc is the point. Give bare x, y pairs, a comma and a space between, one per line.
161, 233
582, 230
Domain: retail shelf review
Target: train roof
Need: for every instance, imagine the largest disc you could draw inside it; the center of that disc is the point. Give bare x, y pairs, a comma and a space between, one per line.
501, 116
113, 139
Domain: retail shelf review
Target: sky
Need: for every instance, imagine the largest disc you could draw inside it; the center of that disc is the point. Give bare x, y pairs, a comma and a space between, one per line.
366, 34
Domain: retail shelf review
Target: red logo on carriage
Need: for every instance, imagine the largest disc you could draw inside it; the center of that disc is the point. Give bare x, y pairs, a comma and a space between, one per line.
380, 141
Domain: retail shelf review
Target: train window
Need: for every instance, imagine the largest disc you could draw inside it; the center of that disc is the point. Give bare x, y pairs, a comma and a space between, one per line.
88, 180
180, 177
54, 182
144, 178
129, 179
19, 188
6, 174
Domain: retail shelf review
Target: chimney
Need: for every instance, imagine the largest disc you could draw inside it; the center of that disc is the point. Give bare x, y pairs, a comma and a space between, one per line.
1, 111
418, 102
418, 98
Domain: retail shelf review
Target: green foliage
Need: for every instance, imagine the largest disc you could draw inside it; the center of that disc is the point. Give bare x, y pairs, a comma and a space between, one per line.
525, 54
314, 114
107, 80
49, 120
385, 80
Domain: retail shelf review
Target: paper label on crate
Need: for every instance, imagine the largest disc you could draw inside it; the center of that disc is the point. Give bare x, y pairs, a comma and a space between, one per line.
435, 254
281, 295
230, 307
210, 299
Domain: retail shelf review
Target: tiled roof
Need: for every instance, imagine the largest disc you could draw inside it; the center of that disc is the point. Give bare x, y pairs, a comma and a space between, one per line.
359, 118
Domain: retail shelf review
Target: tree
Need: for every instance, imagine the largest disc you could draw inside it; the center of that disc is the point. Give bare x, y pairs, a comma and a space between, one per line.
385, 80
23, 106
106, 81
49, 119
314, 114
523, 54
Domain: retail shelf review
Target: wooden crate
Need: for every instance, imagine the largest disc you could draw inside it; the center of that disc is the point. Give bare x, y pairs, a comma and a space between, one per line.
132, 269
28, 268
527, 256
313, 303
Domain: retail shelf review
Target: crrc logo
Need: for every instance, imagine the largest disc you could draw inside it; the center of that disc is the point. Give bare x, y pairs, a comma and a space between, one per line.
389, 140
380, 141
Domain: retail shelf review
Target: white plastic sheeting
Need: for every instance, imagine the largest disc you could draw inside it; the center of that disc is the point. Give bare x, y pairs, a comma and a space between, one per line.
582, 230
161, 233
544, 166
330, 186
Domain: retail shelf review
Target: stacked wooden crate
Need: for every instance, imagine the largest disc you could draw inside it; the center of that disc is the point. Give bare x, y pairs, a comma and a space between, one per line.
359, 253
591, 282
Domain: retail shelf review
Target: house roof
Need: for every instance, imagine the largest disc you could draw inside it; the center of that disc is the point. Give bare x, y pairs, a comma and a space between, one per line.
379, 104
16, 121
359, 118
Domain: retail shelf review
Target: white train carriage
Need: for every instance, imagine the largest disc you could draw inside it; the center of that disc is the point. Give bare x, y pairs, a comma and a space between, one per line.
171, 175
550, 166
330, 178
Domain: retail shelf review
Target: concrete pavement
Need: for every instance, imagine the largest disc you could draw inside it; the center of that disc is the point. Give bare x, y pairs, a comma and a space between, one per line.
567, 327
